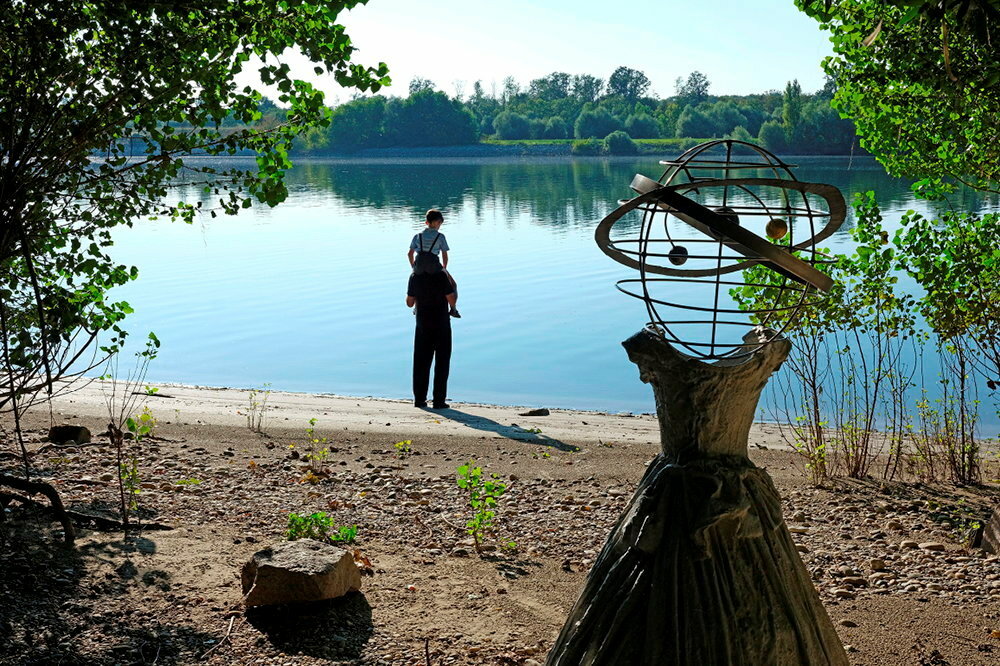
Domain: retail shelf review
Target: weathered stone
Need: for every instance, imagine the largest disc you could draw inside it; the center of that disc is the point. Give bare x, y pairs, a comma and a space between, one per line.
908, 545
60, 434
298, 571
930, 545
876, 564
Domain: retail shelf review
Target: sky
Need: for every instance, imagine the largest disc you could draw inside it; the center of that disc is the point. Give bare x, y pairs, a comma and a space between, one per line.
743, 46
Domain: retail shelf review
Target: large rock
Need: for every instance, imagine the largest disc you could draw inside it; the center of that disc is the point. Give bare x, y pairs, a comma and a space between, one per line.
61, 434
297, 571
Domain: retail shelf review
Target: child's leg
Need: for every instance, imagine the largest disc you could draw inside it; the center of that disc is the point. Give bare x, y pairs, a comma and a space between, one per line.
453, 310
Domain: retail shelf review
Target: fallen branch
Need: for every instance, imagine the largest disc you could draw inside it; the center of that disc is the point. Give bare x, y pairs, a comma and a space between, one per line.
99, 522
41, 488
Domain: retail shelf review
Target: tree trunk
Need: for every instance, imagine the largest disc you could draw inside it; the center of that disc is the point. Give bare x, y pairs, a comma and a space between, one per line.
700, 568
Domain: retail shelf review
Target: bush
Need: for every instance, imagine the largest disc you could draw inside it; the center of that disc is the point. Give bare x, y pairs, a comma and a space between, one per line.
694, 122
536, 127
642, 126
486, 126
556, 128
772, 136
587, 147
429, 118
510, 125
620, 143
596, 123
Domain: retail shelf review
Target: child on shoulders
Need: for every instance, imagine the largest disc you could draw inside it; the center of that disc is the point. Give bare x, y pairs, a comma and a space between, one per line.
432, 241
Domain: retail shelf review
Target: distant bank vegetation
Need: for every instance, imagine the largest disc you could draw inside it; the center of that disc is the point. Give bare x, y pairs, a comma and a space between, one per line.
598, 116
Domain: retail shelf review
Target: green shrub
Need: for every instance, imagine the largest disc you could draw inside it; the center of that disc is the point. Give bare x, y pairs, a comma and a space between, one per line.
596, 123
536, 127
556, 128
620, 143
587, 147
642, 126
772, 136
510, 125
320, 527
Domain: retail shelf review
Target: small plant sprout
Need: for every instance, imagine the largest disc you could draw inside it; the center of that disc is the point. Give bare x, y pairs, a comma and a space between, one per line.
483, 494
404, 448
257, 408
317, 456
187, 482
151, 390
320, 527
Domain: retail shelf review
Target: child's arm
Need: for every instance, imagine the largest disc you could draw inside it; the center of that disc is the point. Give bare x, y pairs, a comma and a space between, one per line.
444, 258
409, 255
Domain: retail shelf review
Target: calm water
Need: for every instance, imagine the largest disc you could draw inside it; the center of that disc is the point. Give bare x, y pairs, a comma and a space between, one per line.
308, 296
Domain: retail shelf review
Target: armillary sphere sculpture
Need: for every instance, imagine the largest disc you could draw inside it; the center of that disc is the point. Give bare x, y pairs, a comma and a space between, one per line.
700, 569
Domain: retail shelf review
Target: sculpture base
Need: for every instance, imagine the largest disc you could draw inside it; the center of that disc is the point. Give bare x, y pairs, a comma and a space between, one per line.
700, 569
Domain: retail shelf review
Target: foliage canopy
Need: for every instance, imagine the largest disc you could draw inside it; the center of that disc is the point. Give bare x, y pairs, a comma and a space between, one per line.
921, 80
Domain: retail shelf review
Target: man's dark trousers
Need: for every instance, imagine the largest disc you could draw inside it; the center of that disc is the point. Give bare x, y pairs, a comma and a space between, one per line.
432, 342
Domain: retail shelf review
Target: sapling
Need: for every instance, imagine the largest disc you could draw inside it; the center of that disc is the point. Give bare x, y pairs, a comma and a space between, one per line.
320, 527
483, 493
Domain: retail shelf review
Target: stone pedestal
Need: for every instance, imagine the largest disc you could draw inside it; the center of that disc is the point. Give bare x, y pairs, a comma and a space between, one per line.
700, 569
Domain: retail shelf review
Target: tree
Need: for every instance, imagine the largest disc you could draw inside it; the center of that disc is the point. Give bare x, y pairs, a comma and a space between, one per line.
138, 86
693, 122
429, 118
642, 126
595, 124
587, 88
418, 84
791, 108
556, 128
628, 83
511, 89
920, 80
554, 86
512, 126
772, 136
694, 90
358, 124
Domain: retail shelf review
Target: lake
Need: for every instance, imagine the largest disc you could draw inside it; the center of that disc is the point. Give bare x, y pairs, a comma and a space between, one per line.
309, 296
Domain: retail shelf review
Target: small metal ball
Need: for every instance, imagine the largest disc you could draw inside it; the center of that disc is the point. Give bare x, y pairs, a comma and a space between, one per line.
776, 228
678, 255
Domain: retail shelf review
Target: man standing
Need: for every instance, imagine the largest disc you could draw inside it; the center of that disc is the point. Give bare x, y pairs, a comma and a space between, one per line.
433, 294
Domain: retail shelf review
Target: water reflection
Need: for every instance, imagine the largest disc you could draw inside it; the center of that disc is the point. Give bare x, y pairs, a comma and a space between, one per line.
308, 295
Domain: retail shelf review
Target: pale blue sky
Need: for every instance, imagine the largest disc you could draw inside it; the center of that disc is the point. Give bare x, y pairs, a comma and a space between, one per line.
743, 47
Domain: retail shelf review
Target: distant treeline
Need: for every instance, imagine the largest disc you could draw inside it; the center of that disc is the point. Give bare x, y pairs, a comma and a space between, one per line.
588, 109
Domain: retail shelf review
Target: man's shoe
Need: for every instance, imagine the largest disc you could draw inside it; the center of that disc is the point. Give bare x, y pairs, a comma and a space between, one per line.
454, 313
441, 405
420, 403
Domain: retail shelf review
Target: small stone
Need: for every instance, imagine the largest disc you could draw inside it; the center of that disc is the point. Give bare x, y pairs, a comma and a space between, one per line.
932, 545
848, 623
908, 545
842, 593
876, 564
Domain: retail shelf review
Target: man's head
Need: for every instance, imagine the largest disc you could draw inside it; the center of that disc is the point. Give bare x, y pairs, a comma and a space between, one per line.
434, 218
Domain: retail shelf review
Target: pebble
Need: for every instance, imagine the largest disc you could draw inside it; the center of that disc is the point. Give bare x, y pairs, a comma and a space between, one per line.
932, 546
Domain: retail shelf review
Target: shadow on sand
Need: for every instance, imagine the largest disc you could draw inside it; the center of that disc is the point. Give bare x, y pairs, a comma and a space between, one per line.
513, 431
335, 629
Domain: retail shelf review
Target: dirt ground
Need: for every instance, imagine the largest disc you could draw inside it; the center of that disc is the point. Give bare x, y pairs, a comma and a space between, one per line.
172, 596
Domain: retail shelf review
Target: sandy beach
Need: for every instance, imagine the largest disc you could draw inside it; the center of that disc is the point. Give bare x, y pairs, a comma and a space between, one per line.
886, 558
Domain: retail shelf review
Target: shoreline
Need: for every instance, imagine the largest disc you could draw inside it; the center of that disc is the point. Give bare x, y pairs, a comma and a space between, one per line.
287, 411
